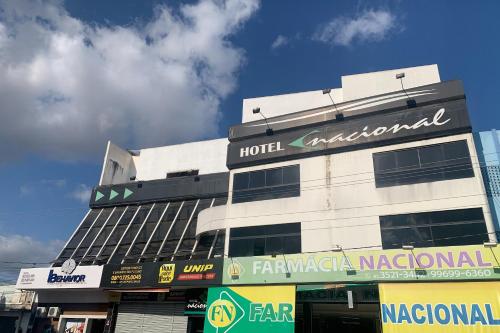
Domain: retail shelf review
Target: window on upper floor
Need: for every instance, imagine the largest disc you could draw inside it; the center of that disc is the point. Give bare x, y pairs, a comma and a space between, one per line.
450, 160
265, 240
267, 184
440, 228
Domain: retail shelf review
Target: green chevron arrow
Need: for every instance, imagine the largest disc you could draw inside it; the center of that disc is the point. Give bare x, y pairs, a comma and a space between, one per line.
127, 193
112, 194
98, 196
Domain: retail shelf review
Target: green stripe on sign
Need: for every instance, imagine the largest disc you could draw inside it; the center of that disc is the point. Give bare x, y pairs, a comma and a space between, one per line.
98, 196
112, 194
127, 193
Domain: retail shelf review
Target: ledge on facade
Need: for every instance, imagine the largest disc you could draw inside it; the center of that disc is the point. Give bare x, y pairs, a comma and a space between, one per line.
211, 219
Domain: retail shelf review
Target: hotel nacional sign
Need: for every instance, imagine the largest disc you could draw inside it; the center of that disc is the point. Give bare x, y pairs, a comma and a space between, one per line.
381, 128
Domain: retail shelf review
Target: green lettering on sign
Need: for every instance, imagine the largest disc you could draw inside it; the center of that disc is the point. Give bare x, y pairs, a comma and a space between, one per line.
267, 309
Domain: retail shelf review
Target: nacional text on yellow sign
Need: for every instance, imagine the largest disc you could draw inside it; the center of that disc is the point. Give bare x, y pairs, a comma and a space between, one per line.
440, 307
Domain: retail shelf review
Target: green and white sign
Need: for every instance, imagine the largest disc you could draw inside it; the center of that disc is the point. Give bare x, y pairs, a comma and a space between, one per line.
474, 262
250, 309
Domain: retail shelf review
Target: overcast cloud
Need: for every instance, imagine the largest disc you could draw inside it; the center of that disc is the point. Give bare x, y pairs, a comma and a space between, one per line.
17, 250
366, 26
81, 193
66, 86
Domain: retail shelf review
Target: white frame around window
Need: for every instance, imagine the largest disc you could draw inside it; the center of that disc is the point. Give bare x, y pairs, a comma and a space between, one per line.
197, 238
169, 229
87, 233
154, 231
124, 233
64, 318
73, 234
185, 229
111, 233
213, 244
99, 233
138, 232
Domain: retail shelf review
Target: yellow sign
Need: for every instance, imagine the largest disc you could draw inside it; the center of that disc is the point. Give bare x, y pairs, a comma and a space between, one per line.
223, 313
440, 307
473, 262
167, 272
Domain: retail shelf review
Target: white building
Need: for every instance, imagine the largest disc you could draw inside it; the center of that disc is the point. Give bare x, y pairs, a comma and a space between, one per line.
340, 202
368, 166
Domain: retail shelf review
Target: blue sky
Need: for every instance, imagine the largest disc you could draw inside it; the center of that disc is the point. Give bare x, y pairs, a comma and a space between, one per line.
147, 73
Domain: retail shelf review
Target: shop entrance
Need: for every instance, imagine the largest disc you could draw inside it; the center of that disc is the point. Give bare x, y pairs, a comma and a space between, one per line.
337, 308
96, 325
195, 324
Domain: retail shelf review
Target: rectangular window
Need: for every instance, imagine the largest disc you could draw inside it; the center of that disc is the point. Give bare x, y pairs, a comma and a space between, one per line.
267, 184
441, 228
445, 161
265, 240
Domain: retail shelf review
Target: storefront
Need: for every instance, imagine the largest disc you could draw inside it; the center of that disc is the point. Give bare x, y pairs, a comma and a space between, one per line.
69, 299
362, 291
167, 295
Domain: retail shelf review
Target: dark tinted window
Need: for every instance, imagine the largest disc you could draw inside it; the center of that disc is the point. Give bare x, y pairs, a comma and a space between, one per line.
130, 234
188, 240
442, 228
444, 161
266, 184
162, 230
218, 250
265, 240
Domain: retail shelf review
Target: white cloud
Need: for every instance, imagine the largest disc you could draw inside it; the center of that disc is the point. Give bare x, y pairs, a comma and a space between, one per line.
25, 190
59, 183
41, 185
82, 193
280, 41
21, 250
67, 86
370, 25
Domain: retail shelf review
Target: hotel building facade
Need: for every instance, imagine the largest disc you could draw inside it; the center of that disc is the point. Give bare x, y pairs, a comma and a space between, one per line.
355, 209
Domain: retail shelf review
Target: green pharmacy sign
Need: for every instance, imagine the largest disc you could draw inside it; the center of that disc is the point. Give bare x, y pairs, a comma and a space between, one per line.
250, 309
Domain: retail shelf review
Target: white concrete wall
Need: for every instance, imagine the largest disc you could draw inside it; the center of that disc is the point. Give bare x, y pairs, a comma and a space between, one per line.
340, 205
118, 166
376, 83
154, 163
273, 106
353, 87
206, 156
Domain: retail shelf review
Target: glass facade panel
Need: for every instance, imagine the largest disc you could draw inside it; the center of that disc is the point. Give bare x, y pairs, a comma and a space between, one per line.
77, 237
92, 234
265, 240
175, 234
450, 160
240, 181
104, 233
161, 231
267, 184
117, 233
218, 250
147, 229
202, 249
189, 238
113, 236
441, 228
221, 201
131, 232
